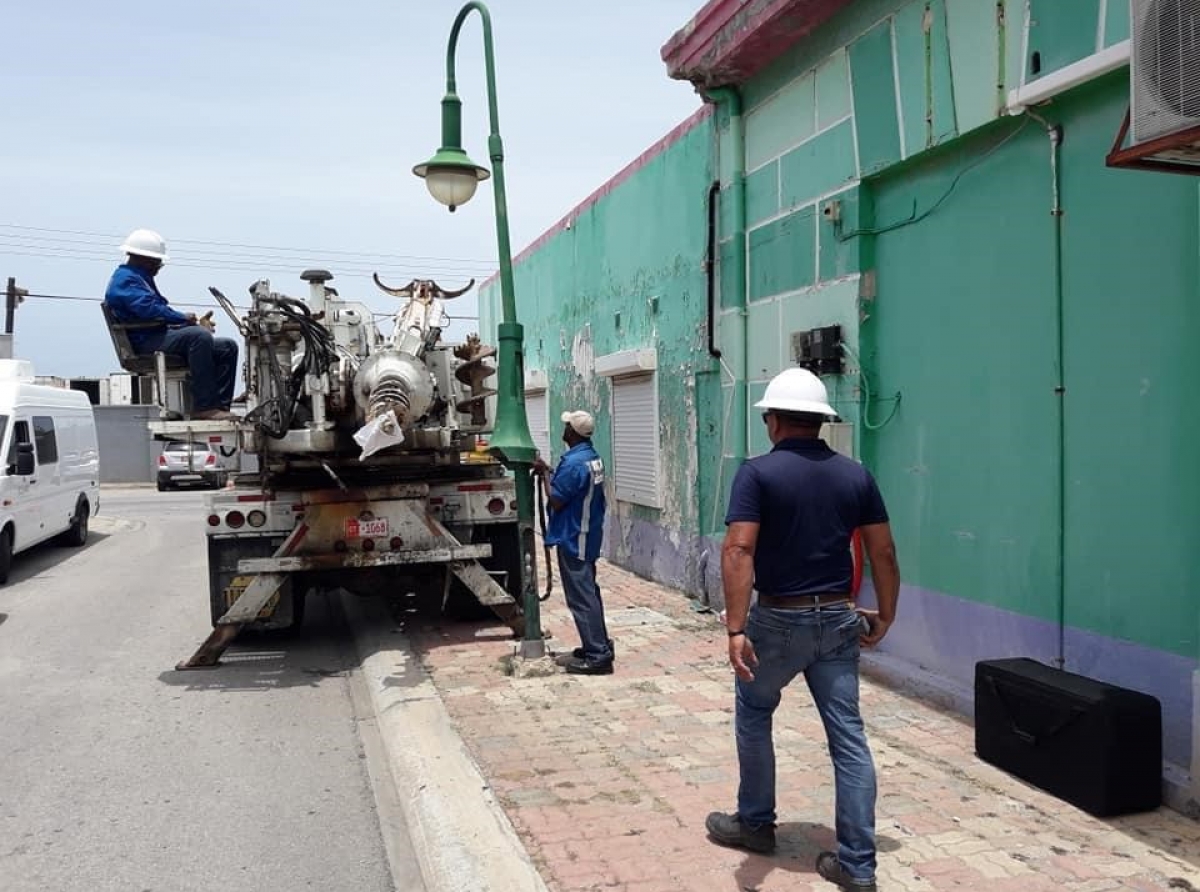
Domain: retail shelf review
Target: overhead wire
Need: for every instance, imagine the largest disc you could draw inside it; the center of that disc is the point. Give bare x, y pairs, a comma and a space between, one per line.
458, 261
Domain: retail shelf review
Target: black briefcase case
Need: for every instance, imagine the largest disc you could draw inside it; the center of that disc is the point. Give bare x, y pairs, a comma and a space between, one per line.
1093, 744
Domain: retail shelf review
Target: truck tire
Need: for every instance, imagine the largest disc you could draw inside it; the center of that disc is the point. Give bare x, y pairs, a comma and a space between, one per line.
77, 534
6, 553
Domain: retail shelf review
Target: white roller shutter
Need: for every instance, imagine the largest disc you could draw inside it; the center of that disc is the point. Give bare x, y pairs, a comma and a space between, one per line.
635, 439
537, 410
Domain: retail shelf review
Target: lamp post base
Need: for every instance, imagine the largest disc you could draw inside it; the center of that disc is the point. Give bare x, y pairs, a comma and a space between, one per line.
532, 650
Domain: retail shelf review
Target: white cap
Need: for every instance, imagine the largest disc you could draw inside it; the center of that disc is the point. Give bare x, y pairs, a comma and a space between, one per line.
581, 422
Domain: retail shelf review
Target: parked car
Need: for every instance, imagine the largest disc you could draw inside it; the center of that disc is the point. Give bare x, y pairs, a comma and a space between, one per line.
50, 487
190, 464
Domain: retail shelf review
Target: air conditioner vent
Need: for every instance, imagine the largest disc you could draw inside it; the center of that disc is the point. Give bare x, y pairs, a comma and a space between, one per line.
1165, 68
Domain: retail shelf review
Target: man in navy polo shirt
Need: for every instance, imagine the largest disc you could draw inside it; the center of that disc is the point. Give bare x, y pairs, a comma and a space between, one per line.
576, 529
791, 515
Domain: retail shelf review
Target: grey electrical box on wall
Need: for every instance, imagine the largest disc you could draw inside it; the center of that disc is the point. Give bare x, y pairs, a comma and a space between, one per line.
819, 350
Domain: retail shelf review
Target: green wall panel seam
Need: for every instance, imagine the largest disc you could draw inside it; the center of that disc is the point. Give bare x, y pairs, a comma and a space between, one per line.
807, 290
899, 98
814, 203
802, 143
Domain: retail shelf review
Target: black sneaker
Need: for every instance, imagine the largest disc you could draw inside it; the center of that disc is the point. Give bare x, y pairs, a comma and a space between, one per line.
578, 653
830, 868
728, 830
588, 667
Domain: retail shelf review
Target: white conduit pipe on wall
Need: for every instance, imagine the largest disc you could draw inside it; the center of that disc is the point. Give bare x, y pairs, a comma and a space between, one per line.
1072, 76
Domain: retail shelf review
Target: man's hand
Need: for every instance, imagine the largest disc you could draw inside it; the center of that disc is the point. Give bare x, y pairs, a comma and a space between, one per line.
540, 468
742, 657
878, 627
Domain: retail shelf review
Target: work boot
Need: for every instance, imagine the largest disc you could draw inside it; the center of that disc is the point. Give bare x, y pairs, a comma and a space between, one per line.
728, 830
579, 666
830, 868
213, 415
579, 655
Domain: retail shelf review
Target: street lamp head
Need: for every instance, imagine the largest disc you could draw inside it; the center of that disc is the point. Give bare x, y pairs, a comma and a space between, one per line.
451, 177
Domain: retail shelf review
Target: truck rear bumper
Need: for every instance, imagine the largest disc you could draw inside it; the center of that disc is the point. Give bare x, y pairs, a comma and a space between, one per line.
358, 560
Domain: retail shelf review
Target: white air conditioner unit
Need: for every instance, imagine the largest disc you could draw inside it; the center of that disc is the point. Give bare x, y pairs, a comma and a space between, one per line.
1165, 78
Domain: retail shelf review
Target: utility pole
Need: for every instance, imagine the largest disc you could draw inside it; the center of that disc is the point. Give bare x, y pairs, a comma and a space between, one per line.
12, 296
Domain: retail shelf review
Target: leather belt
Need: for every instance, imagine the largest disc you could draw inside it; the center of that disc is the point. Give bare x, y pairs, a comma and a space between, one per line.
802, 602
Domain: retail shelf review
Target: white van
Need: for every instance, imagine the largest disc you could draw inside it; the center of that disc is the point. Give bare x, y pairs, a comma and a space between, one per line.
50, 484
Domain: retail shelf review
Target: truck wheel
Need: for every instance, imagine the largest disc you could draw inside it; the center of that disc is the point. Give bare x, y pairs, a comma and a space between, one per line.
76, 536
162, 487
6, 547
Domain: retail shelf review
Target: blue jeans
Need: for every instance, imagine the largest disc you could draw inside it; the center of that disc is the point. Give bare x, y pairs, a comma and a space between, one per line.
822, 644
212, 362
583, 599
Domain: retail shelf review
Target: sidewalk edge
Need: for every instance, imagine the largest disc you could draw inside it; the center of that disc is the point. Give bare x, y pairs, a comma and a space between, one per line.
463, 839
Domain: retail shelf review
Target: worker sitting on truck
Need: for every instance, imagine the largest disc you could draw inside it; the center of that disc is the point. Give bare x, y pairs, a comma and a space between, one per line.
133, 296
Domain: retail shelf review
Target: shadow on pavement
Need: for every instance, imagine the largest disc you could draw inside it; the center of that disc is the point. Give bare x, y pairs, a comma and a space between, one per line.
265, 661
46, 556
798, 844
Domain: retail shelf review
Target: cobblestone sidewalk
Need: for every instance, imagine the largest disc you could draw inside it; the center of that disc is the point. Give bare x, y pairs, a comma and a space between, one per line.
608, 779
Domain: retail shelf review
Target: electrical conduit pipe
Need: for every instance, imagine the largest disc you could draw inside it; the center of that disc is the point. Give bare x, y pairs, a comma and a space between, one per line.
728, 97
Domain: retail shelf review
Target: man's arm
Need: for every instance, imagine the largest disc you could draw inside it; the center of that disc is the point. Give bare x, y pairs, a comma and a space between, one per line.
141, 302
737, 579
564, 485
885, 573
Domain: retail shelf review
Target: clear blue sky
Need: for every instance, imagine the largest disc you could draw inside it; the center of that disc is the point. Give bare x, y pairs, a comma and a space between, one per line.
295, 124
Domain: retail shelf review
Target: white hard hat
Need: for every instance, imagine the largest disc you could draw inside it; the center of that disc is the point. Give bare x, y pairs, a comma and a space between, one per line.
796, 390
145, 243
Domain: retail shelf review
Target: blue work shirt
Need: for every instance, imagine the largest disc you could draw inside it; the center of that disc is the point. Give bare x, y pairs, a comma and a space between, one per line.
578, 485
807, 500
133, 297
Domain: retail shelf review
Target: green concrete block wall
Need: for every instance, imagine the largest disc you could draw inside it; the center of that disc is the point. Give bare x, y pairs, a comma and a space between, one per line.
1116, 22
1059, 33
876, 119
783, 254
975, 57
784, 119
821, 165
570, 290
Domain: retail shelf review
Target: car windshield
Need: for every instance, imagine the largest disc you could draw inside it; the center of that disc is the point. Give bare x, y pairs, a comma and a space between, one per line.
179, 446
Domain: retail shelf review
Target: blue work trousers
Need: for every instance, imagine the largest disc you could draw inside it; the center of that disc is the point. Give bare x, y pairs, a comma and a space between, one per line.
822, 643
583, 599
212, 362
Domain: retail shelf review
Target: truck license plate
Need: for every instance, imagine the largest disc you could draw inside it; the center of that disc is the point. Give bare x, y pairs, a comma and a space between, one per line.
358, 529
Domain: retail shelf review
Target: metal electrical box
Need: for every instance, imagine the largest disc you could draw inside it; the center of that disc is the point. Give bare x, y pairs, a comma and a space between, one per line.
840, 437
819, 350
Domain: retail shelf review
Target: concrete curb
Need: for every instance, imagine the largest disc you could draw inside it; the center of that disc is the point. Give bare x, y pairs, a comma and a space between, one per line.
463, 839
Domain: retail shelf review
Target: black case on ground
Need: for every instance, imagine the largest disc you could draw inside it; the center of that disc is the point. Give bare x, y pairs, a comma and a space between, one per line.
1092, 744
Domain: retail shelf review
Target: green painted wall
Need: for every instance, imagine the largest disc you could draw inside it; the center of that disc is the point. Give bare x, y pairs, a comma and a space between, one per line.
1132, 276
571, 290
965, 328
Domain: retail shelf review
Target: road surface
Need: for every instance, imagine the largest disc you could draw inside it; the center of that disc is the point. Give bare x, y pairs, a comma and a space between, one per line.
118, 773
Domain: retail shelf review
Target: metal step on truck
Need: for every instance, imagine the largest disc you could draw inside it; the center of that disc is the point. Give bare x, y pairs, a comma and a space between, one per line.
369, 474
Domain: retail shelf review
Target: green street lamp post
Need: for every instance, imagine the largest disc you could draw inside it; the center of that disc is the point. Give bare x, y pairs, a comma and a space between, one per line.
452, 177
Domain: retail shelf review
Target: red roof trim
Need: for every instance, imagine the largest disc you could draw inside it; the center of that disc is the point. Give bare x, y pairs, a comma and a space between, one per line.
729, 41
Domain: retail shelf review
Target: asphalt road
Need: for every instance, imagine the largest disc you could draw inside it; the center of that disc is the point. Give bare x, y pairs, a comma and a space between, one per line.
118, 773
